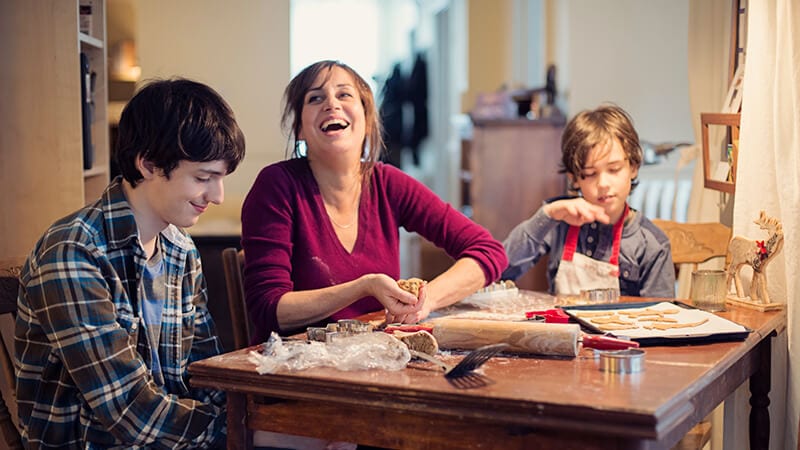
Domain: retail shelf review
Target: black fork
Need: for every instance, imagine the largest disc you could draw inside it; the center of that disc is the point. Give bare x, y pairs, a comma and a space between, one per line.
462, 375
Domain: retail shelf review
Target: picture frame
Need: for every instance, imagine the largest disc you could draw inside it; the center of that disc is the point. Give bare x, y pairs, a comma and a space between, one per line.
720, 150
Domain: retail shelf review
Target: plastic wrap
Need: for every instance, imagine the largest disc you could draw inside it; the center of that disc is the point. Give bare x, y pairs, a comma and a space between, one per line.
356, 352
510, 305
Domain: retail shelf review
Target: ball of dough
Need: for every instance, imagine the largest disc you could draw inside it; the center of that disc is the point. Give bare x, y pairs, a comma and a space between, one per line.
411, 285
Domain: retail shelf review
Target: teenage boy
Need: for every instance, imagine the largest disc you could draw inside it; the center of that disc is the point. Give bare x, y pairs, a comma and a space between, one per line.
113, 304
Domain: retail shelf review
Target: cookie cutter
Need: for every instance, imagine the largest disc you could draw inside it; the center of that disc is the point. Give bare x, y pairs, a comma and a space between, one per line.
630, 360
600, 295
342, 328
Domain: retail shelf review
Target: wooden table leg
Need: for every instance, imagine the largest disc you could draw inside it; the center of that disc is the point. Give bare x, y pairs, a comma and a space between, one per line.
239, 435
759, 397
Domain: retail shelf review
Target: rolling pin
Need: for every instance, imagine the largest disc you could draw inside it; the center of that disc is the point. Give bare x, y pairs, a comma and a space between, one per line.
554, 339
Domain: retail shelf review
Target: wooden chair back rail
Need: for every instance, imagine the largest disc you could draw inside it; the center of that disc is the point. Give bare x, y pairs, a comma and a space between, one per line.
232, 262
695, 243
9, 289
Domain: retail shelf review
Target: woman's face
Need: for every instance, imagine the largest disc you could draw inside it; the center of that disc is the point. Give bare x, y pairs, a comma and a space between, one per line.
333, 118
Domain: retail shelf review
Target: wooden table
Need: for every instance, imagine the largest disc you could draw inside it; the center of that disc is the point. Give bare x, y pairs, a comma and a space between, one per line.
535, 402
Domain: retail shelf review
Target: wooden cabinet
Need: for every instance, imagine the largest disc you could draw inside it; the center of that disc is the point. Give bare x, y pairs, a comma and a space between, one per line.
42, 176
513, 168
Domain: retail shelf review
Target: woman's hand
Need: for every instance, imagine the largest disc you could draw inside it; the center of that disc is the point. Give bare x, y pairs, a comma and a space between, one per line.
576, 212
421, 312
398, 303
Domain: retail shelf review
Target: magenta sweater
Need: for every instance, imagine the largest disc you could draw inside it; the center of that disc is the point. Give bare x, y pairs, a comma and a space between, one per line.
290, 244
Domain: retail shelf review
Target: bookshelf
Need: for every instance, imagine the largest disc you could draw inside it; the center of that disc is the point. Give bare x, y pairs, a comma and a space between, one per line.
42, 175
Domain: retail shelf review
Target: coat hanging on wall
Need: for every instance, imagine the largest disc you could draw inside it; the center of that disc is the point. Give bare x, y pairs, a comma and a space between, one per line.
393, 97
418, 95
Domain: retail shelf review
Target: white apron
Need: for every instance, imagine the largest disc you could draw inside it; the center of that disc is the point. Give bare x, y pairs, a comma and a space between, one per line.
577, 272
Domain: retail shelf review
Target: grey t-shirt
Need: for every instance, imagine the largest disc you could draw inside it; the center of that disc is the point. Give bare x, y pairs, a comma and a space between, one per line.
153, 296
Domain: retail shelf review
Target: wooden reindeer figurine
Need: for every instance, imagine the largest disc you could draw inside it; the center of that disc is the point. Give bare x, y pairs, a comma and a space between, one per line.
756, 254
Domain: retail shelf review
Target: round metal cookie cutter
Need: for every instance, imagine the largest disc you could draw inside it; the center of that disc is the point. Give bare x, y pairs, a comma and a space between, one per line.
610, 295
630, 360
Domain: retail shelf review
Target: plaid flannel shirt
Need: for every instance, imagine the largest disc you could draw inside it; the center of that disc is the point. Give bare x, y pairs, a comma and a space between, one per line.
82, 356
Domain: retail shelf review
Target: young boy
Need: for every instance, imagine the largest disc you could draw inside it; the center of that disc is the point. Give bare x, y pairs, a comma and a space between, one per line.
595, 241
113, 301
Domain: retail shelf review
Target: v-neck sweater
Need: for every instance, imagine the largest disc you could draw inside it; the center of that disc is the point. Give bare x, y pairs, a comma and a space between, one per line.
290, 243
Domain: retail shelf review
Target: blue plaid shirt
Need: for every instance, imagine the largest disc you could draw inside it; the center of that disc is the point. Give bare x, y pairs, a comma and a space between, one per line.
81, 354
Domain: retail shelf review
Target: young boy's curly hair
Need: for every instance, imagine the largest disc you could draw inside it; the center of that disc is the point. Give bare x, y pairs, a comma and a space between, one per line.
592, 127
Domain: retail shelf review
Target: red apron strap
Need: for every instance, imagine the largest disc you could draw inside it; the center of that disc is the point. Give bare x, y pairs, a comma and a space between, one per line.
571, 243
618, 237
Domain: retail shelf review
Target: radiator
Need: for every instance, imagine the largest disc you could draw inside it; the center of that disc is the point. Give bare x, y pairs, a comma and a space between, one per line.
663, 190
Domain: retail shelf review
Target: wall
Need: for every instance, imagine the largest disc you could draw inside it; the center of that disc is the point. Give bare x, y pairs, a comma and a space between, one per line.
239, 48
632, 53
489, 33
605, 50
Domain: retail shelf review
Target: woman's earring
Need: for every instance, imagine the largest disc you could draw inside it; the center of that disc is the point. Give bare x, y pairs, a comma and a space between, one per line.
300, 149
365, 150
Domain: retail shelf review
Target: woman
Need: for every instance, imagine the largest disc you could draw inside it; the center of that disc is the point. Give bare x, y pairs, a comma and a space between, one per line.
321, 232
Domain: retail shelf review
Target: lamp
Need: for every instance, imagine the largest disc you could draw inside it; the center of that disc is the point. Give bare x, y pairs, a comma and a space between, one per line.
123, 62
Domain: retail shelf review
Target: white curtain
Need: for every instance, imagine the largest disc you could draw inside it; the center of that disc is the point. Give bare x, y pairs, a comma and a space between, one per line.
708, 53
768, 178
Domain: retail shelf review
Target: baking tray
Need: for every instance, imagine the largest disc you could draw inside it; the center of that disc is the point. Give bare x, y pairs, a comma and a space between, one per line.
714, 329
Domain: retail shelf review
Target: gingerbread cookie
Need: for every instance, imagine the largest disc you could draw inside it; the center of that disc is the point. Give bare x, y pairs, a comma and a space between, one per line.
669, 326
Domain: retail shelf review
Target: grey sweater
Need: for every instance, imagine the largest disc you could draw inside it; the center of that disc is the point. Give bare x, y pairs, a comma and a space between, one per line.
645, 259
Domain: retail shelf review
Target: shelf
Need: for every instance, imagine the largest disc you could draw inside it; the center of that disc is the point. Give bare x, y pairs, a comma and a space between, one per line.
124, 77
95, 172
90, 41
43, 38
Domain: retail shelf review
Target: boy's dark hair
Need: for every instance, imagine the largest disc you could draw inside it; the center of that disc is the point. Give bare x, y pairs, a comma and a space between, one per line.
168, 121
592, 127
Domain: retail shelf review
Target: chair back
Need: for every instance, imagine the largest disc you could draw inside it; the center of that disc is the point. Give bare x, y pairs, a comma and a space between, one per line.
232, 262
695, 243
9, 289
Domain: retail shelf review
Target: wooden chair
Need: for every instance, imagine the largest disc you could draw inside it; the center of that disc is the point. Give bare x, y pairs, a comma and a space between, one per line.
695, 243
9, 289
232, 263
